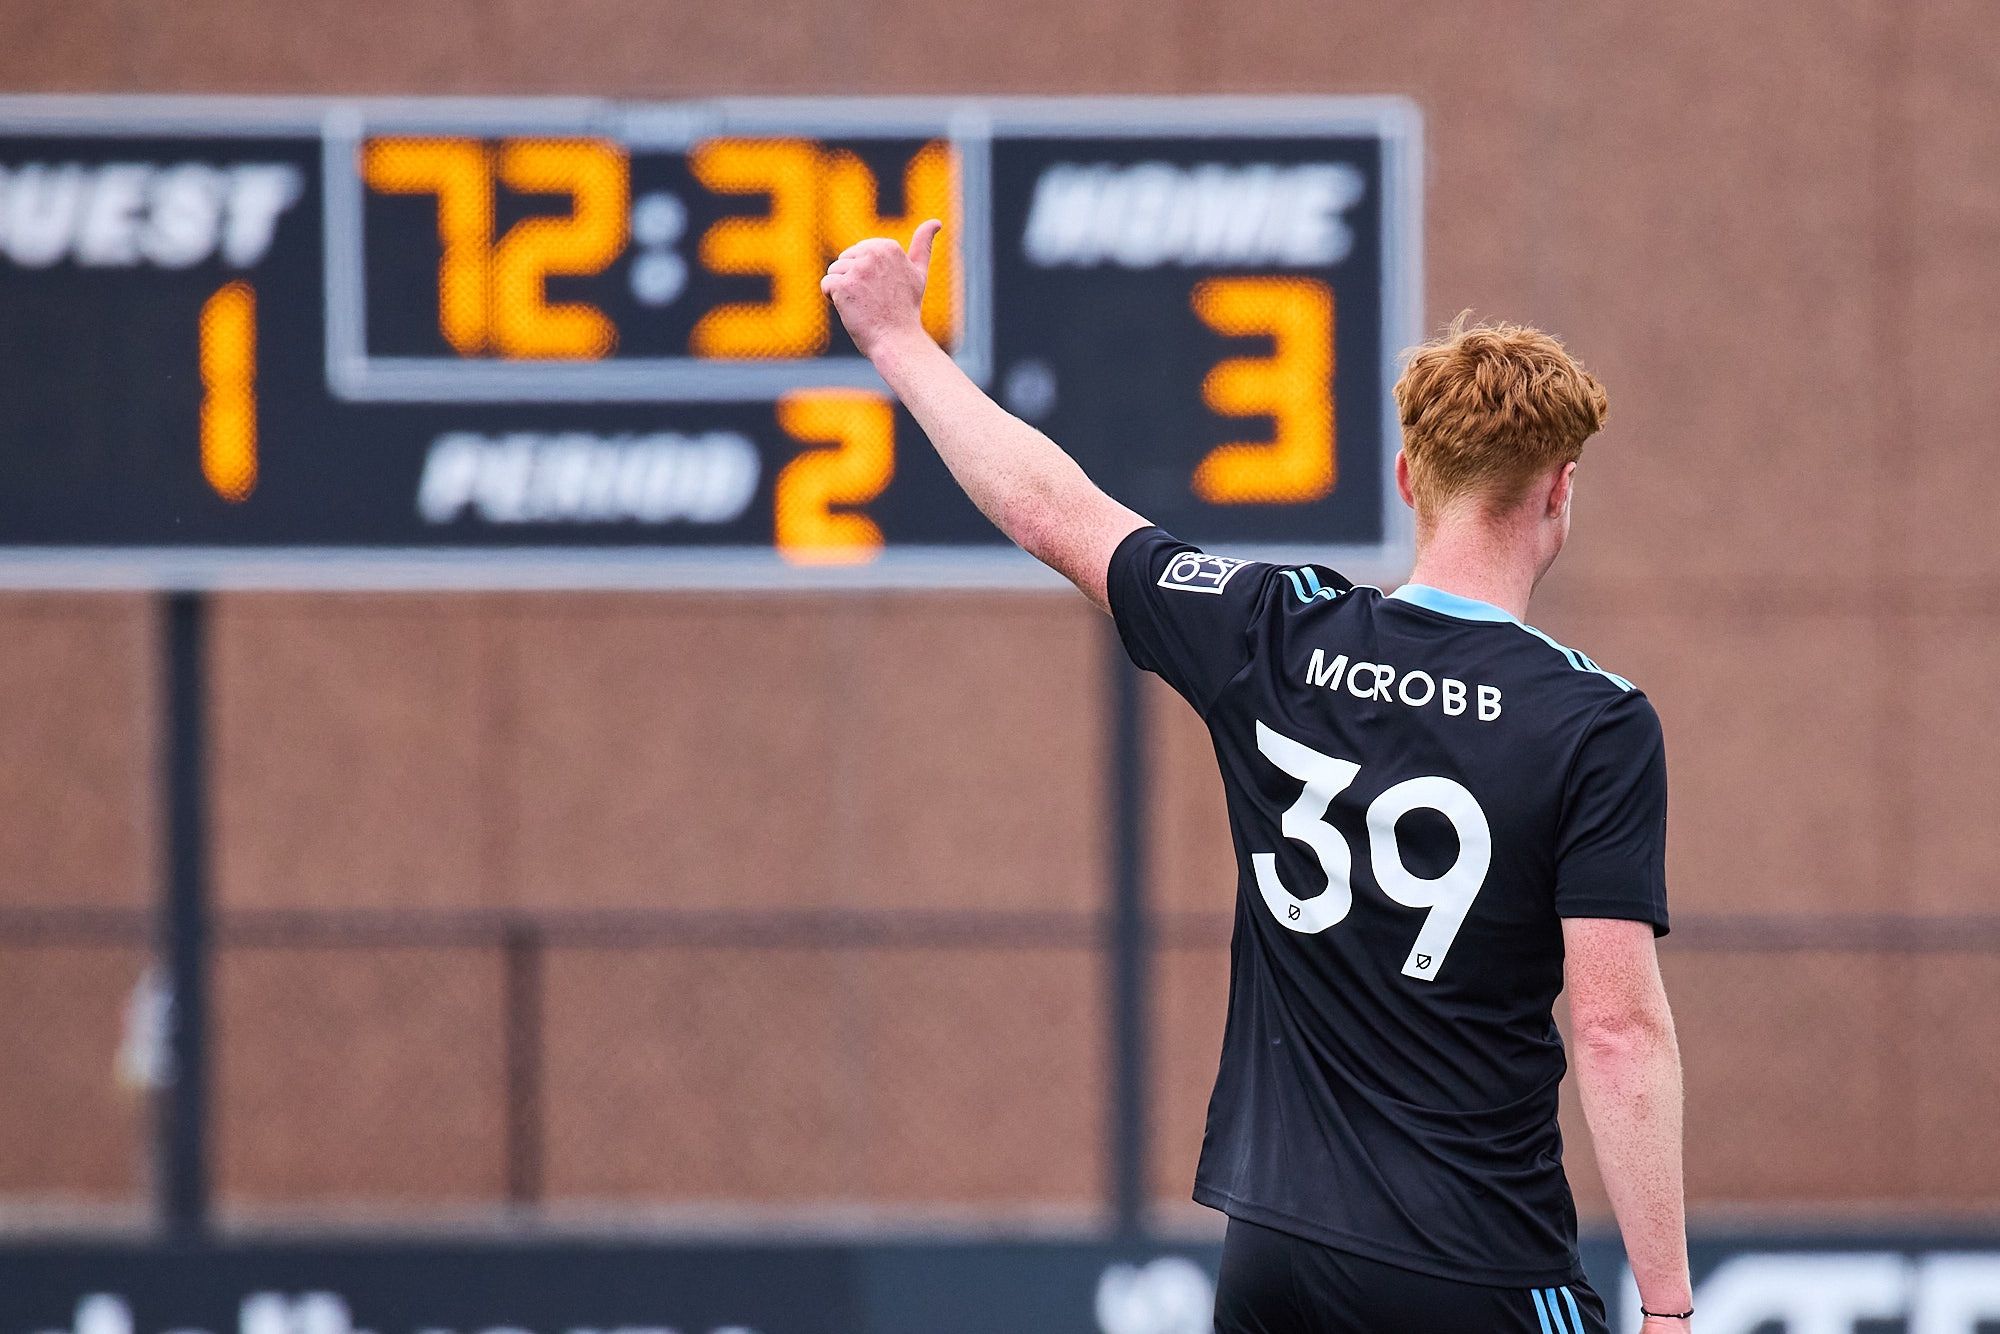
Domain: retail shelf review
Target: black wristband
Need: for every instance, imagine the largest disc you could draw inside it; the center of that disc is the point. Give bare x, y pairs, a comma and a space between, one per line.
1668, 1315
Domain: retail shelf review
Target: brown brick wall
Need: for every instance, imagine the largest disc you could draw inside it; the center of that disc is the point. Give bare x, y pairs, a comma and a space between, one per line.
76, 757
1772, 231
77, 819
758, 1077
770, 754
358, 1074
74, 1131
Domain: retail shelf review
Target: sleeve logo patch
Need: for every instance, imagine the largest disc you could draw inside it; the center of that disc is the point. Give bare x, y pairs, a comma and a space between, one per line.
1199, 572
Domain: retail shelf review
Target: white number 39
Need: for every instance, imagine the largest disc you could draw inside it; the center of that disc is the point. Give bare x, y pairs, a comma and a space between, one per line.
1449, 897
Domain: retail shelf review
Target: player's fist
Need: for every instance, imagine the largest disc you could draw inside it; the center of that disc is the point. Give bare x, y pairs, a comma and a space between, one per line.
878, 288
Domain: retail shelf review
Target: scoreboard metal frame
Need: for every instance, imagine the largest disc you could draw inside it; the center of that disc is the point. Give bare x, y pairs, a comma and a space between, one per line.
972, 126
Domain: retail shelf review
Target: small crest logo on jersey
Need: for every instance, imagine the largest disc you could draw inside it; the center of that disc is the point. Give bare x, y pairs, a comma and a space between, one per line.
1199, 572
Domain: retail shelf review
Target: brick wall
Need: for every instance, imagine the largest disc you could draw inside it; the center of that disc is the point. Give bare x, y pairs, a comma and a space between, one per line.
1771, 230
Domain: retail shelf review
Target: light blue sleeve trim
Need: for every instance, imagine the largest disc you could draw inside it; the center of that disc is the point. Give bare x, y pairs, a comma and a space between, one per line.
1311, 587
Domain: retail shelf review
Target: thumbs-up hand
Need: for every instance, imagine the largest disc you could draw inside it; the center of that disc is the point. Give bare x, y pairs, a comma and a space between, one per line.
878, 288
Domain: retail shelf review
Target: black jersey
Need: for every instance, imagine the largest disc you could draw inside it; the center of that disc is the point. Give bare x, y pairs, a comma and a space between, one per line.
1420, 787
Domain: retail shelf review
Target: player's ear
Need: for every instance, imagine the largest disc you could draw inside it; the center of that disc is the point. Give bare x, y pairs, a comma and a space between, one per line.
1403, 487
1563, 490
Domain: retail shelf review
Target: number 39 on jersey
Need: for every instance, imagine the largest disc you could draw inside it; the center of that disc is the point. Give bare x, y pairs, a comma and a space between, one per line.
1448, 897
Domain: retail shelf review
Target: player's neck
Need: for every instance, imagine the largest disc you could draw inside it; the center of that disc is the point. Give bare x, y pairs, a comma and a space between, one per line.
1476, 561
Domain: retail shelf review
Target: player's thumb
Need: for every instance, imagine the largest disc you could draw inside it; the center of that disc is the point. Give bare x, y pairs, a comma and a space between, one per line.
920, 245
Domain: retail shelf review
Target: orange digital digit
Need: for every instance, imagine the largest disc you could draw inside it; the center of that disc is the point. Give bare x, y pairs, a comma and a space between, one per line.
930, 190
227, 359
781, 246
1293, 386
861, 427
456, 171
595, 176
493, 298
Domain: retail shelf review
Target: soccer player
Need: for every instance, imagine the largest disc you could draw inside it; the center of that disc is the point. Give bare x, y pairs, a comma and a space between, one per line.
1442, 819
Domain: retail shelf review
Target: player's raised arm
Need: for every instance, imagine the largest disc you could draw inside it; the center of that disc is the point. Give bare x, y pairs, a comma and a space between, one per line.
1018, 477
1628, 1069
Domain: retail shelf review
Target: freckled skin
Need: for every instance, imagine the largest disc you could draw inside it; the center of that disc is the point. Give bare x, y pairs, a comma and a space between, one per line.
1629, 1071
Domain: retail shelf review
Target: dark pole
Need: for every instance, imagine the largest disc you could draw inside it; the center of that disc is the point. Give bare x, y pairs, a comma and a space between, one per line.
1130, 944
181, 1152
523, 953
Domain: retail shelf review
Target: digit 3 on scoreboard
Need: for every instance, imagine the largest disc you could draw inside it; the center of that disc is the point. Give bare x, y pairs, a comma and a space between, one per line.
1292, 386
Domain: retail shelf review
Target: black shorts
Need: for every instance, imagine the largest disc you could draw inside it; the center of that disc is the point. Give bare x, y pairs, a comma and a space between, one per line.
1275, 1283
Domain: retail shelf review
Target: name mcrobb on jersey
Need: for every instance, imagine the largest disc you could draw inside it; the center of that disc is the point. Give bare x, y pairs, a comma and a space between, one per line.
1420, 788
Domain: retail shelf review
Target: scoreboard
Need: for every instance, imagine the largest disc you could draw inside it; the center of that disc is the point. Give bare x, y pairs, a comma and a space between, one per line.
570, 342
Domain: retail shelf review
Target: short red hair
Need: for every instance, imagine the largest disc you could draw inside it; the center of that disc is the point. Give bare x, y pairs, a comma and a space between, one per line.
1488, 408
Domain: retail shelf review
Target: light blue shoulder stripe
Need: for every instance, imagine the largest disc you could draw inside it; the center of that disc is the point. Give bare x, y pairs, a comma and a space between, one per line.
1577, 660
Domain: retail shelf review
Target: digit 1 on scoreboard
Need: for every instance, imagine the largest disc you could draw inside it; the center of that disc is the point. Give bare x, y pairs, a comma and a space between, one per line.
228, 363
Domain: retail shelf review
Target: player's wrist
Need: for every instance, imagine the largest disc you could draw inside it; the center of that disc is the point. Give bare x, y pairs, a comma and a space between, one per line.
1672, 1311
895, 349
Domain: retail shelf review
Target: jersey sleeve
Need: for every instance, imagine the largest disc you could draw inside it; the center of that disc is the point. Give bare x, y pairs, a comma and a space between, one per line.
1183, 613
1611, 854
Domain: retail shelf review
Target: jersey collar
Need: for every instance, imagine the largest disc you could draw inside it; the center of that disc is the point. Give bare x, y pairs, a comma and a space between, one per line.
1451, 604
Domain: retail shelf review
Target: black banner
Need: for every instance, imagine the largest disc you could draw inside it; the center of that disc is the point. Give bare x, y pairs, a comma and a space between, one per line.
1892, 1284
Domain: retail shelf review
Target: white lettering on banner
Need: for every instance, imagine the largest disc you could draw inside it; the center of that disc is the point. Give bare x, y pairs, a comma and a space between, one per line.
123, 214
1170, 1295
574, 477
1154, 213
325, 1313
1955, 1294
313, 1313
1832, 1292
102, 1313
